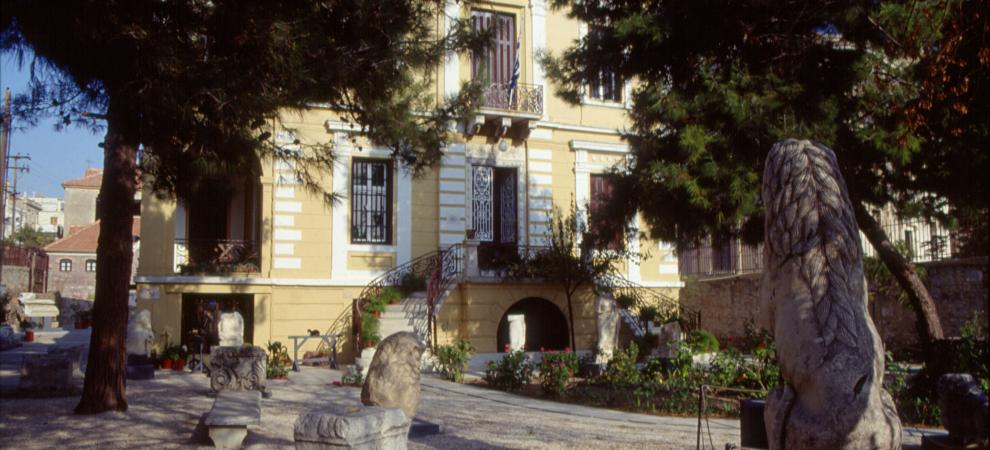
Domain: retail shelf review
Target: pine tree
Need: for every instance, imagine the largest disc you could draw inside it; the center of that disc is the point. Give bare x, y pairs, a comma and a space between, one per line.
196, 86
897, 89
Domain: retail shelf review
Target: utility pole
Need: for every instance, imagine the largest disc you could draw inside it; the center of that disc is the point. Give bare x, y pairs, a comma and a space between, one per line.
4, 143
16, 167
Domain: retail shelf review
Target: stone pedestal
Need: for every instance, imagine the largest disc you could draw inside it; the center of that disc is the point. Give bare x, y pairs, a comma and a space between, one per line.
355, 427
232, 413
140, 367
237, 368
364, 361
48, 373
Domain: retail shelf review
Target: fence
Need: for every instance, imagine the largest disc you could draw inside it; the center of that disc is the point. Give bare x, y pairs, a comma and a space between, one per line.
34, 259
923, 241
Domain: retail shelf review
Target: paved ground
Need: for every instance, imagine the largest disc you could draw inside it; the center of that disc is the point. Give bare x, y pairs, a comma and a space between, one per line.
165, 413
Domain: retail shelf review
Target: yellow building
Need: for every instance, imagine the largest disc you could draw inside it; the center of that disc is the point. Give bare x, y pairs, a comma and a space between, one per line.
290, 263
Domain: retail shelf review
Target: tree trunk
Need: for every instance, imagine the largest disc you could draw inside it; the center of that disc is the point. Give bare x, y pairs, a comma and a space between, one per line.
104, 388
570, 317
929, 327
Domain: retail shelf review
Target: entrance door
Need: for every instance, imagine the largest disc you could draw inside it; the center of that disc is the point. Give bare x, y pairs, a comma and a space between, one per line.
495, 220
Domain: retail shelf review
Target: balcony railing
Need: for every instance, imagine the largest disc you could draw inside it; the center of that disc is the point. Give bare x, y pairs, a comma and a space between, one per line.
215, 256
525, 98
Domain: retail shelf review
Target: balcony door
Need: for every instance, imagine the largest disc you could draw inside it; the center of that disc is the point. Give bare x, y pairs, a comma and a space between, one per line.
495, 220
496, 64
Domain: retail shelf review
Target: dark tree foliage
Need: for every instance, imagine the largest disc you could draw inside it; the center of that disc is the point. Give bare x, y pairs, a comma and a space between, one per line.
197, 86
897, 89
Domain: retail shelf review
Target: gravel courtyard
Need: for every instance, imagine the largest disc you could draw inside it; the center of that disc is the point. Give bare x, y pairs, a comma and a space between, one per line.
166, 412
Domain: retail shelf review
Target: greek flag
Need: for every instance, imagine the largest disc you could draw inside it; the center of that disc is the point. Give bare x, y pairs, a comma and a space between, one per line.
515, 75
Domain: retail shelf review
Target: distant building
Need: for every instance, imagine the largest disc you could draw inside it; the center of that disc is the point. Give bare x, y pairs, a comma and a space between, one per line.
22, 214
51, 218
72, 261
81, 195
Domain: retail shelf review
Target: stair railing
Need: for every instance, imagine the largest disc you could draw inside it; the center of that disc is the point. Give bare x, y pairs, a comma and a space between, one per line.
618, 285
446, 274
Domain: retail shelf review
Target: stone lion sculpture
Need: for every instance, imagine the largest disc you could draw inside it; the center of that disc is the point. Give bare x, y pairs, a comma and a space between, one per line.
814, 297
393, 378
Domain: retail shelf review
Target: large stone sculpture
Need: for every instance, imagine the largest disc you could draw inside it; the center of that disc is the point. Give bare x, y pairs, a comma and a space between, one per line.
231, 329
814, 294
139, 333
517, 331
393, 378
607, 313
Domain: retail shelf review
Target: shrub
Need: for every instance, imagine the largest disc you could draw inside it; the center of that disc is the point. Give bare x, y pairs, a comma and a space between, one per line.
453, 359
646, 344
352, 379
412, 282
556, 371
511, 373
369, 329
702, 341
277, 358
625, 301
388, 296
621, 370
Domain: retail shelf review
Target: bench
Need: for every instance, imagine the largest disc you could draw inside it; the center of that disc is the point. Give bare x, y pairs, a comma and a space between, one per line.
230, 416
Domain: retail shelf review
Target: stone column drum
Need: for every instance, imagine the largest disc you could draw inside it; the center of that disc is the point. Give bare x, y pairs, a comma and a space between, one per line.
814, 295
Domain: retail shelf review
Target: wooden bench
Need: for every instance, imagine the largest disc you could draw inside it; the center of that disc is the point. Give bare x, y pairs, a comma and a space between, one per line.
230, 416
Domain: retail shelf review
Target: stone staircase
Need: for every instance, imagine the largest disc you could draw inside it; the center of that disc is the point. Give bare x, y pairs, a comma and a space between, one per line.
410, 314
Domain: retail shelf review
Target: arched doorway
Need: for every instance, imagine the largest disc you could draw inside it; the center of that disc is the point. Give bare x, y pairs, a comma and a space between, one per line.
546, 326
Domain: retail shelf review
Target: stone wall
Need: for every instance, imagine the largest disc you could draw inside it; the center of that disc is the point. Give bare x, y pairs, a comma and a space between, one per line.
959, 287
726, 304
16, 278
76, 283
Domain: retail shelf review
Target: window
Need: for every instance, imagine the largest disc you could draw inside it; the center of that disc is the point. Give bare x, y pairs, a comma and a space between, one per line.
91, 265
606, 85
371, 201
54, 220
65, 265
495, 65
601, 193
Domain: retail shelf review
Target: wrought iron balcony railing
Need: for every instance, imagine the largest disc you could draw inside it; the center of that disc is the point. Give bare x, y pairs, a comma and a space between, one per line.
214, 256
525, 98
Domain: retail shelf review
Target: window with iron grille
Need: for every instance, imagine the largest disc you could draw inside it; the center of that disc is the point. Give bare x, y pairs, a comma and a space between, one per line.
371, 201
91, 265
65, 265
606, 85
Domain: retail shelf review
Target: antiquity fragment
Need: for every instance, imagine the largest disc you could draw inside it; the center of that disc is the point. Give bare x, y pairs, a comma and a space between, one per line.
814, 294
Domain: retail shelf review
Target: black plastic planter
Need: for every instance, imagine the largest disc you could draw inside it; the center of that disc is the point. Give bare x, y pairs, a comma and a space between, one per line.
752, 427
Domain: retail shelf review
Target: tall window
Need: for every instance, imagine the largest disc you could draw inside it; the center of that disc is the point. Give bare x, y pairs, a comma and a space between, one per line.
606, 85
495, 64
65, 265
601, 193
91, 265
371, 201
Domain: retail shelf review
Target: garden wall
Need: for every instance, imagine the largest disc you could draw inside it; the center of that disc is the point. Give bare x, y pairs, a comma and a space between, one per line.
959, 287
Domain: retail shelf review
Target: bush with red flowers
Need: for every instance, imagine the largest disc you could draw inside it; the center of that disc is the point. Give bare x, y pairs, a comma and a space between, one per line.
557, 369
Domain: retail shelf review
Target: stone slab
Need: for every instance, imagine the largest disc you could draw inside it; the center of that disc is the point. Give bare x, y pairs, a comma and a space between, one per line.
235, 408
357, 427
227, 437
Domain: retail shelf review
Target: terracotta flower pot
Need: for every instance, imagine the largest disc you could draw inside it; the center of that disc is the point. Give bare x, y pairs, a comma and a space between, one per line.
179, 364
28, 335
79, 325
167, 364
377, 314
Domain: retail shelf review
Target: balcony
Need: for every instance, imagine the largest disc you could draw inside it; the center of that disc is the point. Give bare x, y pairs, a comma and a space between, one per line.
504, 108
215, 256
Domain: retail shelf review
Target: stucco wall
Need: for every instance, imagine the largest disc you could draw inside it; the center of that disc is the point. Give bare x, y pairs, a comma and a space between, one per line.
80, 206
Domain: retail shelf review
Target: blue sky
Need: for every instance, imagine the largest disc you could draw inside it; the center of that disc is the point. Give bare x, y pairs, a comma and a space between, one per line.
56, 156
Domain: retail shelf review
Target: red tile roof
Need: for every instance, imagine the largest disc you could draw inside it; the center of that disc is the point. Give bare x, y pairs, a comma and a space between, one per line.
84, 240
93, 178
